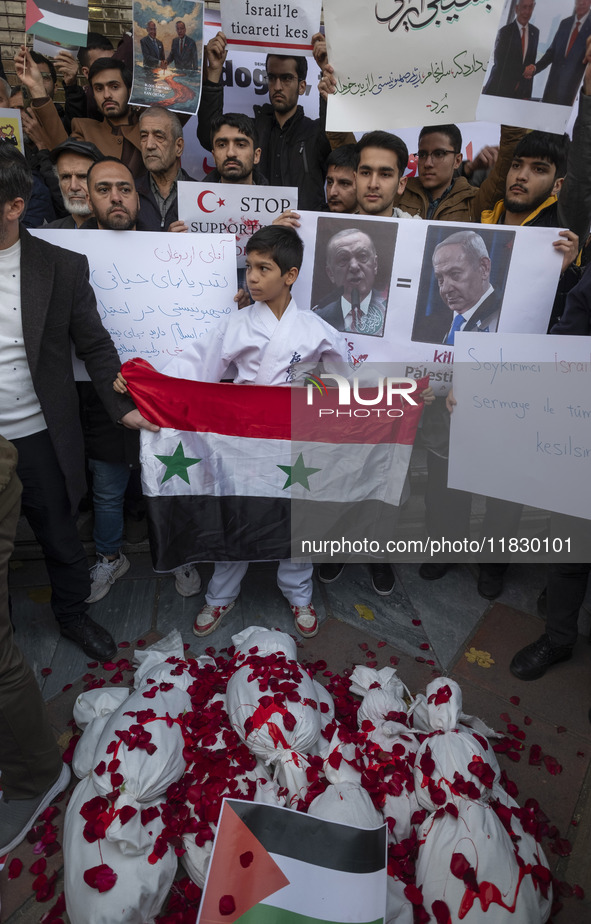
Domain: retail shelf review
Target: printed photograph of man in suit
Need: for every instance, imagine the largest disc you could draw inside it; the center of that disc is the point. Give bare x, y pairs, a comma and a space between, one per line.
516, 48
565, 57
183, 53
461, 289
349, 264
152, 47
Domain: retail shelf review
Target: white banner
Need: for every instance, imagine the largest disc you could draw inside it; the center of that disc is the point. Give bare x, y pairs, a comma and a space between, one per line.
404, 63
276, 28
233, 208
411, 302
155, 291
520, 430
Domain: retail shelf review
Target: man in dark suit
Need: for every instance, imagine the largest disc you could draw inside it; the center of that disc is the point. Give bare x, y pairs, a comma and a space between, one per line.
352, 265
183, 53
52, 306
516, 48
152, 47
461, 265
567, 57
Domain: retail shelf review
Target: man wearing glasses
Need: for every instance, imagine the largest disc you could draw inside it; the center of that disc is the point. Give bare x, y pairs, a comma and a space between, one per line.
438, 192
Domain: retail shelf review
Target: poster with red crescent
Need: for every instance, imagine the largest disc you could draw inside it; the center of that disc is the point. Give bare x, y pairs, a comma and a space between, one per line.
168, 54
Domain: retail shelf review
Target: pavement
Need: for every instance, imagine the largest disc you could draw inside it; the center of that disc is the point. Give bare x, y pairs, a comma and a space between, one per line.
426, 628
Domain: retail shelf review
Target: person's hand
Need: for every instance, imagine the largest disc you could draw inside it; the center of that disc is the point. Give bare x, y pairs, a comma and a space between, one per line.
66, 66
120, 384
177, 226
484, 160
529, 71
450, 401
243, 299
133, 420
29, 74
568, 246
33, 128
427, 395
319, 49
328, 82
288, 219
215, 55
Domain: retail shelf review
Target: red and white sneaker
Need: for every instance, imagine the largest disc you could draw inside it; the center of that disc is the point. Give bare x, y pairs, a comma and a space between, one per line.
209, 618
306, 620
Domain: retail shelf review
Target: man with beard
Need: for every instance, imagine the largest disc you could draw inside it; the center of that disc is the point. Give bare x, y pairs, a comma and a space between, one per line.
162, 144
112, 195
235, 149
72, 160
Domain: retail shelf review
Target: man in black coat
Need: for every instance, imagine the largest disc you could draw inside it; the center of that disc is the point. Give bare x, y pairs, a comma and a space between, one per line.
516, 48
53, 306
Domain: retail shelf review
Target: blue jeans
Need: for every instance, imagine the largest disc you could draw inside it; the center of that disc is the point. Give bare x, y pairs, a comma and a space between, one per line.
109, 481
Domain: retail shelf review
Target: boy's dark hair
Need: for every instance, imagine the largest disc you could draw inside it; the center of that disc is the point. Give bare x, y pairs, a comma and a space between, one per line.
238, 120
41, 59
110, 64
301, 63
545, 146
346, 155
390, 142
94, 41
452, 131
106, 159
283, 245
16, 178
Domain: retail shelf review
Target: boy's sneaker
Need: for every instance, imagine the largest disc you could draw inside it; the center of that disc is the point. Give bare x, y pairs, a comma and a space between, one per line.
306, 620
17, 816
187, 580
209, 618
104, 574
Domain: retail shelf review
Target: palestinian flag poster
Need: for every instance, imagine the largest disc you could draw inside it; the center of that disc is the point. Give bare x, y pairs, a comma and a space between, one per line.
58, 21
271, 865
242, 472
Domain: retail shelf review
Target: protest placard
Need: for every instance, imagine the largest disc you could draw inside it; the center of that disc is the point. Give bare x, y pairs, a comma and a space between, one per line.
156, 291
520, 429
168, 54
407, 307
537, 64
233, 208
278, 28
11, 130
407, 63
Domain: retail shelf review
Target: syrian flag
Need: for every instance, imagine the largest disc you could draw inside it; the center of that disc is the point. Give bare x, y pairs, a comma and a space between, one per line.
271, 865
241, 472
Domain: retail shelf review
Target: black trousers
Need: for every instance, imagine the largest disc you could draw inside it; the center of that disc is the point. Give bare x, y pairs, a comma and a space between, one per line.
566, 589
46, 506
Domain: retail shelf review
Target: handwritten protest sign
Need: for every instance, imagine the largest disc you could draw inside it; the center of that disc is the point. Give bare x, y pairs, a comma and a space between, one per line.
233, 208
167, 54
156, 291
520, 430
11, 130
536, 67
276, 27
406, 316
406, 63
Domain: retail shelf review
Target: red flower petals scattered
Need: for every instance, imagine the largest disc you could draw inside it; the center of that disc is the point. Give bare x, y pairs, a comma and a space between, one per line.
100, 877
227, 905
246, 858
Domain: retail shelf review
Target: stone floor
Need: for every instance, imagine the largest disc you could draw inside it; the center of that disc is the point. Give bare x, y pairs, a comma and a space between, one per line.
429, 626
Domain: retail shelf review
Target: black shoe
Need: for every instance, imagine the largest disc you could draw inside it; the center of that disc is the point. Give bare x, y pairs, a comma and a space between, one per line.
93, 639
327, 573
382, 579
534, 660
489, 586
432, 571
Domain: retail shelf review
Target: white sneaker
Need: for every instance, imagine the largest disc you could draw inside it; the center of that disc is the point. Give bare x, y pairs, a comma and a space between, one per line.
187, 580
104, 574
209, 618
306, 620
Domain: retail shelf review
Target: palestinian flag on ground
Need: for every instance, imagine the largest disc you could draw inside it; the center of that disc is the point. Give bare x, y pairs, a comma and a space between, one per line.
239, 472
271, 865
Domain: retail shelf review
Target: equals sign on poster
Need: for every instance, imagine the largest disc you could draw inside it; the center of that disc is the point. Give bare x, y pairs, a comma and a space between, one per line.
402, 283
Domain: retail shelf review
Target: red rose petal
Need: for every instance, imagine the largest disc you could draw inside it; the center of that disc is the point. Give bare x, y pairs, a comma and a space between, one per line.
441, 912
552, 765
246, 858
15, 868
100, 877
416, 622
527, 720
382, 644
38, 866
515, 700
68, 686
141, 642
394, 660
414, 894
505, 717
424, 646
123, 645
46, 671
227, 905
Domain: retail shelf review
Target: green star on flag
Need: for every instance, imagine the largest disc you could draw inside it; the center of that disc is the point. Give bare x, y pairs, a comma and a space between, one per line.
298, 473
177, 464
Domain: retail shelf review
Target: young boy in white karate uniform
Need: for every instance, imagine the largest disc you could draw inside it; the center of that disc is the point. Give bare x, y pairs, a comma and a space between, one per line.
263, 344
